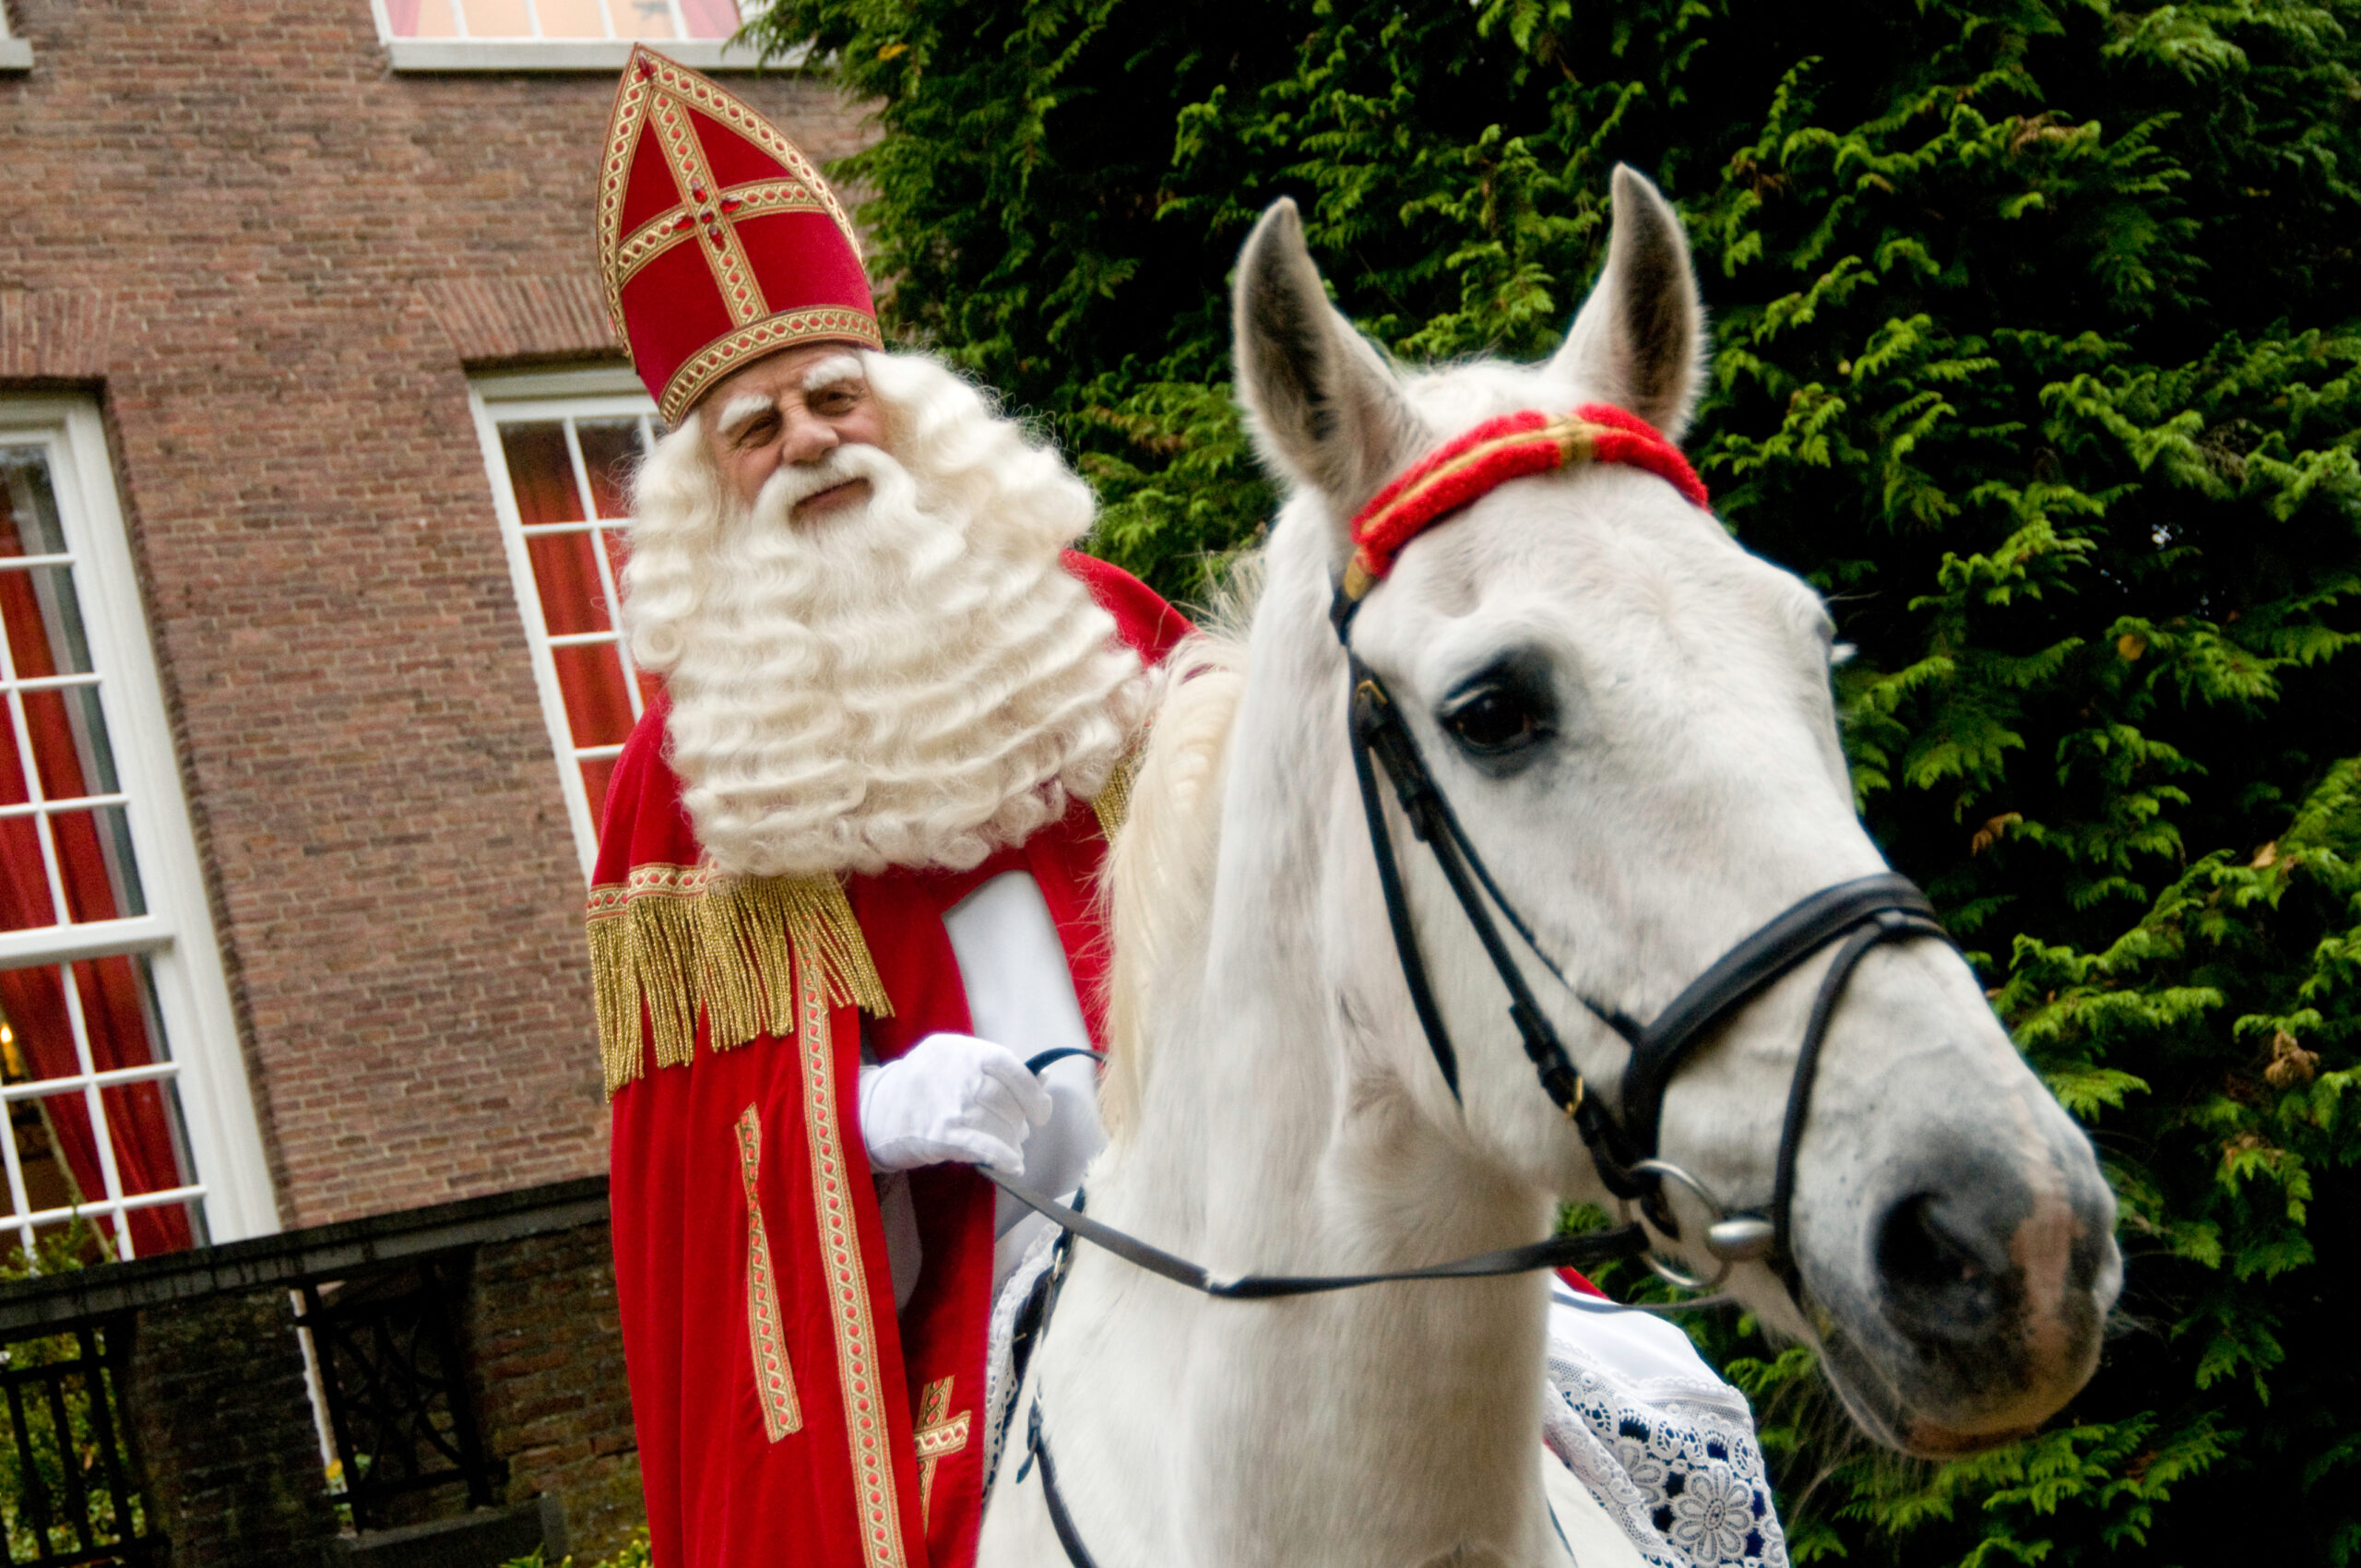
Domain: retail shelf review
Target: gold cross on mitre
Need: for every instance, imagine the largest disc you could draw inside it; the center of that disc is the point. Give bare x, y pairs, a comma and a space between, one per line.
711, 203
939, 1435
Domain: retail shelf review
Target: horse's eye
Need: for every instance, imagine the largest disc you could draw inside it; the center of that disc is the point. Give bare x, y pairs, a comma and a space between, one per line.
1492, 718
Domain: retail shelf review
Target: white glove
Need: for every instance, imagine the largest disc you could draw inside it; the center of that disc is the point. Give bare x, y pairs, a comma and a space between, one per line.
951, 1098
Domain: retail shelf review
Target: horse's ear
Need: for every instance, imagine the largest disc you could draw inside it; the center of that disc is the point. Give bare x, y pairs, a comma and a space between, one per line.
1323, 406
1640, 340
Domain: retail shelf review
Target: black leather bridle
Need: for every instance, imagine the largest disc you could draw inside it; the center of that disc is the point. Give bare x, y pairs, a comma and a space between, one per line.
1860, 914
1857, 916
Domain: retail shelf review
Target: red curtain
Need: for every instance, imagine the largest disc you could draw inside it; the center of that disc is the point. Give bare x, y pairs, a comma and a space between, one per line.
710, 18
402, 16
114, 1014
565, 573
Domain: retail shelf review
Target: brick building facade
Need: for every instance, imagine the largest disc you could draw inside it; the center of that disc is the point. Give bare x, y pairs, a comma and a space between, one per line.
267, 256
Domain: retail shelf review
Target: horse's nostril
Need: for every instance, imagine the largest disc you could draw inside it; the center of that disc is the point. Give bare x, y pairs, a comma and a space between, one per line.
1937, 1277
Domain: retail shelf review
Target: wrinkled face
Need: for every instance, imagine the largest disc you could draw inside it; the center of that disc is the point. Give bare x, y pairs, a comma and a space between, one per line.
1631, 718
794, 408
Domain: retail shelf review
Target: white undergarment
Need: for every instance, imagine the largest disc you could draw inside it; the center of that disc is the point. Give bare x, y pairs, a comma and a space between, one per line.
1020, 994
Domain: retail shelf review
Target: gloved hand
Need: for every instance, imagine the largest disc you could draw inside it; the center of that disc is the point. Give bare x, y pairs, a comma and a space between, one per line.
951, 1098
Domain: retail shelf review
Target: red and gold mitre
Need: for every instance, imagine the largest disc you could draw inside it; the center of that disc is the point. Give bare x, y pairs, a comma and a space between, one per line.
718, 240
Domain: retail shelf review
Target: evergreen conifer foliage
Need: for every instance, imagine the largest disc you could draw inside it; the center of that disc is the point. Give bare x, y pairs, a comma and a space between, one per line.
2037, 347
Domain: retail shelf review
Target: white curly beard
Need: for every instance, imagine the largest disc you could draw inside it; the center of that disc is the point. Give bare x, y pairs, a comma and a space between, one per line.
916, 682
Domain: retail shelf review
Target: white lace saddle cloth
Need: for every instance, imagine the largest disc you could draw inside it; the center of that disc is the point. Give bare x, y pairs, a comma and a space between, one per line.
1661, 1445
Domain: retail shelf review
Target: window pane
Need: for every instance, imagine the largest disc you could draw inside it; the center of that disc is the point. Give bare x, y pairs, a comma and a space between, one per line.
141, 1116
58, 1153
12, 788
596, 773
45, 622
643, 18
573, 18
94, 855
48, 1184
28, 523
497, 18
609, 452
25, 901
710, 18
598, 705
565, 571
540, 475
420, 19
69, 736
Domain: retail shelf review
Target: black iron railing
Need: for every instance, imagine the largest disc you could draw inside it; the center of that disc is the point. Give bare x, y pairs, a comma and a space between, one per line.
388, 1354
69, 1486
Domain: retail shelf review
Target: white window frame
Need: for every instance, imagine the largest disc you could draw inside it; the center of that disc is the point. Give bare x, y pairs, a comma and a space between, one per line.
232, 1178
600, 393
16, 54
538, 53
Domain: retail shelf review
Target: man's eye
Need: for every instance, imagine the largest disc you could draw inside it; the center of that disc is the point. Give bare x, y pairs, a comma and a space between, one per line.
758, 432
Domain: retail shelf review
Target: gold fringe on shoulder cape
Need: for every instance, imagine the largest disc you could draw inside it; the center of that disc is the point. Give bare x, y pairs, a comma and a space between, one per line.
674, 936
1113, 803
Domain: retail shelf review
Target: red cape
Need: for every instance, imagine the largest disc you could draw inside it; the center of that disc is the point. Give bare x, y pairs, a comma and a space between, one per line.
786, 1414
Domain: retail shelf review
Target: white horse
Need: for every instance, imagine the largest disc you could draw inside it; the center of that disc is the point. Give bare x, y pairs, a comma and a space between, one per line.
1673, 781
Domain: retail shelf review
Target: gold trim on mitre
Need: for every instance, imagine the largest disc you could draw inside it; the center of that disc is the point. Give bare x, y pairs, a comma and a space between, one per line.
675, 943
821, 323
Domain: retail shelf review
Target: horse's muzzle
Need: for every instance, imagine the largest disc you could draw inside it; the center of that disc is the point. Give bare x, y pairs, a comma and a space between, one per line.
1983, 1301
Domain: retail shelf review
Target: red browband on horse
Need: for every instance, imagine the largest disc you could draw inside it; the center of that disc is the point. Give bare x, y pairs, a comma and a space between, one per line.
1461, 471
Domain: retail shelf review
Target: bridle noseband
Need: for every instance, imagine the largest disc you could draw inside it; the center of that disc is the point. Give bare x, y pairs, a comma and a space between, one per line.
1859, 915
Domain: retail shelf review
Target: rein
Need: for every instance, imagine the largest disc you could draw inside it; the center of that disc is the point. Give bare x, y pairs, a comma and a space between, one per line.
1558, 1251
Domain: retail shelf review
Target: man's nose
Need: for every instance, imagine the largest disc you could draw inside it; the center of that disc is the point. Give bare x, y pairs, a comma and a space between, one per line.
808, 440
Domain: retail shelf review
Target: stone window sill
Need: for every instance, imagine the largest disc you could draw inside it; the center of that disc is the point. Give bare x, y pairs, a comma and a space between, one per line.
442, 54
15, 54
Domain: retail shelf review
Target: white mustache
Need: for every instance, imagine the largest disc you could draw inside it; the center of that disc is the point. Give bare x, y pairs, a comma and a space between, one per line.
792, 483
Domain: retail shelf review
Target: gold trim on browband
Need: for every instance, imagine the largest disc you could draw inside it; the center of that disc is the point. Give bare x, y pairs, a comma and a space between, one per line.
1576, 440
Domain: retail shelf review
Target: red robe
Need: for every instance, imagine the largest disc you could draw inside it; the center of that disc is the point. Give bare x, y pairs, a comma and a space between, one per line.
786, 1414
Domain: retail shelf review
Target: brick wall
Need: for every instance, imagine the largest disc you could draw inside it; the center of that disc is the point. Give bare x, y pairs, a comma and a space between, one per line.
269, 256
545, 1358
223, 1427
222, 1422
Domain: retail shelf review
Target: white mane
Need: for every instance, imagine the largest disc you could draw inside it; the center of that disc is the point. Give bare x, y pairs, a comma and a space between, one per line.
1159, 874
